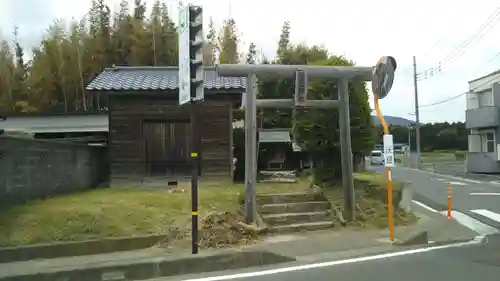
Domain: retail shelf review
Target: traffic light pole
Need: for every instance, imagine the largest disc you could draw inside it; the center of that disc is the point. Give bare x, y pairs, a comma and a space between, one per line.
191, 91
195, 163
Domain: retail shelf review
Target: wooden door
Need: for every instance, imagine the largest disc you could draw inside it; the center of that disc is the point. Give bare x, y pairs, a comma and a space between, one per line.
166, 148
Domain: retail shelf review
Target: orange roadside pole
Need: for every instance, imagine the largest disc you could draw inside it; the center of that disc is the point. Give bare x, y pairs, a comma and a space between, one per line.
449, 193
382, 79
388, 175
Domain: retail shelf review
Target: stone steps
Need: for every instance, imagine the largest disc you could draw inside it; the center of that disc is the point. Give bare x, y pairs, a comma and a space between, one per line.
291, 218
307, 226
266, 199
311, 206
292, 212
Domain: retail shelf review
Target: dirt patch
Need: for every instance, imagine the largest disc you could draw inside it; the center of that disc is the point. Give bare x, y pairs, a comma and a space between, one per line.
217, 230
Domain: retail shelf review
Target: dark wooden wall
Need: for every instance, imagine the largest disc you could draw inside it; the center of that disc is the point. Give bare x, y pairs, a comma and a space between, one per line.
129, 114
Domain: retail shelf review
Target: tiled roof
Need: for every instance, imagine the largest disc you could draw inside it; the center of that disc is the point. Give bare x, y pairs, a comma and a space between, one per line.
156, 78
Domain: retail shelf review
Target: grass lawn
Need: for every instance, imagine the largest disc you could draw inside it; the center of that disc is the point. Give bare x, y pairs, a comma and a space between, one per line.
437, 156
119, 212
104, 213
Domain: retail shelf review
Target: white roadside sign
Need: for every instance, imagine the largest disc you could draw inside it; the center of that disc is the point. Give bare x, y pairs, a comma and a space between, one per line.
184, 59
388, 151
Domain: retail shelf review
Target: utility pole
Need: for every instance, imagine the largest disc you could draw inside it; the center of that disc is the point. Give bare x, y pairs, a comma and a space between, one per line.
417, 117
409, 138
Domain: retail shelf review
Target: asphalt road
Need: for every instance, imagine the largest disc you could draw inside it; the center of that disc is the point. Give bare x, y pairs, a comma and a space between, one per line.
479, 262
472, 199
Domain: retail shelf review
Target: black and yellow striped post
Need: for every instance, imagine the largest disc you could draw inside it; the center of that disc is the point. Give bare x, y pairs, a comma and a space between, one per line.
194, 203
195, 172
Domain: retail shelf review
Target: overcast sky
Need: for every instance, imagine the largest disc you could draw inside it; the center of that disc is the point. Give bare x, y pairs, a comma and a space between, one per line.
362, 30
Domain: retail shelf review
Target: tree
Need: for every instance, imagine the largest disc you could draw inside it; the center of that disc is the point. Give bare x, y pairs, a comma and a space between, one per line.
169, 40
228, 43
284, 40
19, 89
122, 28
7, 101
211, 47
251, 55
155, 29
317, 130
140, 50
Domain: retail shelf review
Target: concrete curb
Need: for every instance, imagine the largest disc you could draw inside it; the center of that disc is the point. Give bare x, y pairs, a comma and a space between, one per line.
406, 197
153, 267
81, 248
413, 238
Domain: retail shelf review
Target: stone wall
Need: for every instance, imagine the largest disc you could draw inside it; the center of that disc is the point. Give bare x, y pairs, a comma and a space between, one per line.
33, 169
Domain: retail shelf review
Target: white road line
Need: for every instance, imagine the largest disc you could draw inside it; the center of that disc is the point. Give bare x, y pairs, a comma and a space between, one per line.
471, 181
478, 240
438, 179
457, 183
451, 177
471, 223
485, 193
449, 182
424, 206
489, 214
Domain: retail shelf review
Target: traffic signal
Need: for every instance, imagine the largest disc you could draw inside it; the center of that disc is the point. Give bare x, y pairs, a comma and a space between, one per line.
389, 128
196, 52
300, 87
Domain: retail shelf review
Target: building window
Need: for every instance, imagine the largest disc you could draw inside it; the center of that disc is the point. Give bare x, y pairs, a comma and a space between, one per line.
488, 142
485, 98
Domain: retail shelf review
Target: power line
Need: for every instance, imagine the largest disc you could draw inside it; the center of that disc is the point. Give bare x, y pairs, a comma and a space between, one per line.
478, 34
454, 97
443, 101
455, 55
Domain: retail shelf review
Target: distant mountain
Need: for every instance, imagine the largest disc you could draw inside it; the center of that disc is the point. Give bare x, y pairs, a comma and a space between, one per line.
393, 120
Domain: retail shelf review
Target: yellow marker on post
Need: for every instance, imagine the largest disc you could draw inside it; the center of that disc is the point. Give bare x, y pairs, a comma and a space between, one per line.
382, 79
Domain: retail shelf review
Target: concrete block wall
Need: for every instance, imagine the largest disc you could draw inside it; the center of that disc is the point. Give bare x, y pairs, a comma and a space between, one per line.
34, 169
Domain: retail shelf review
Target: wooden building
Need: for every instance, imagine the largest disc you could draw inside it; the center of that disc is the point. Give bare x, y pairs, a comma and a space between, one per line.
149, 133
279, 152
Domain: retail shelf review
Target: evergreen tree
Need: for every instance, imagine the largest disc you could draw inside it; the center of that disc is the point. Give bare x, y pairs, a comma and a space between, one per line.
252, 52
211, 47
228, 43
284, 40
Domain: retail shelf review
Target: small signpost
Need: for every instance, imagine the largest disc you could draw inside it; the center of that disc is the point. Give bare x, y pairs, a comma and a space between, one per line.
382, 80
388, 151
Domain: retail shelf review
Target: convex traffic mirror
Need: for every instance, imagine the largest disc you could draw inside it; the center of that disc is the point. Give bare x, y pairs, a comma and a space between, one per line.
383, 76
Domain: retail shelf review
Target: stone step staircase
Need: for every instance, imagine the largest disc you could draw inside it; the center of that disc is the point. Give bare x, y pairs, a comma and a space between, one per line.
294, 212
